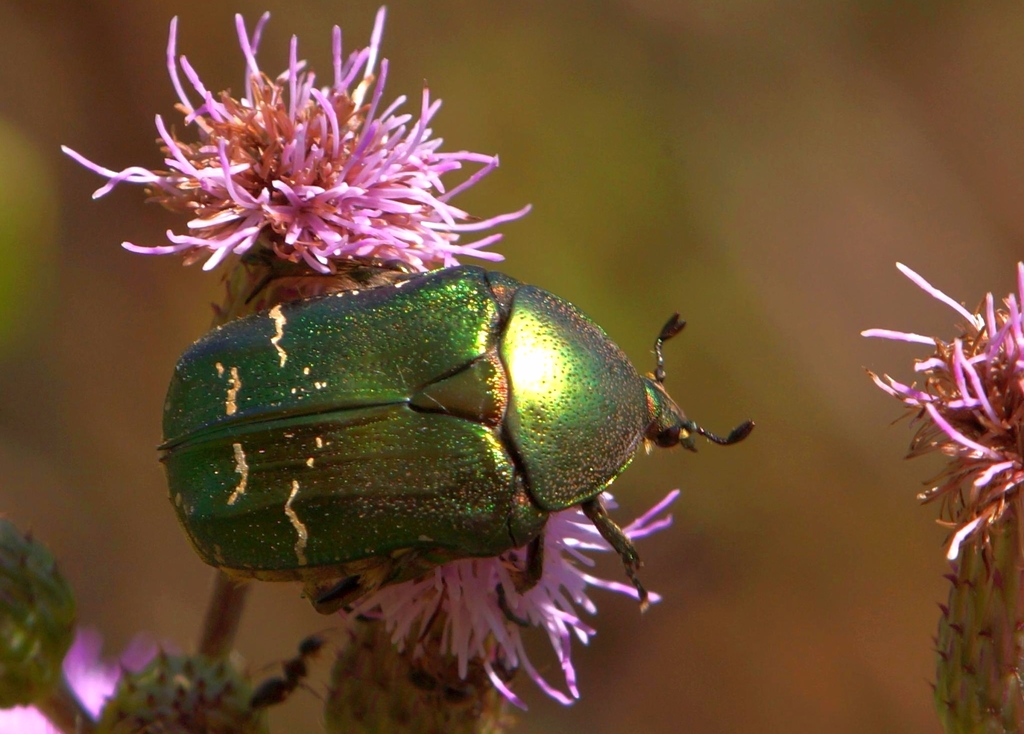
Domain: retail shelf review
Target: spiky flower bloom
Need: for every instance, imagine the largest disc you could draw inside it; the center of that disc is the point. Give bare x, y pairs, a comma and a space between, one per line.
971, 409
91, 678
461, 597
316, 174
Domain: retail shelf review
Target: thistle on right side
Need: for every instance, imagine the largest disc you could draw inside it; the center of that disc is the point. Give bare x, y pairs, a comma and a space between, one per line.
970, 408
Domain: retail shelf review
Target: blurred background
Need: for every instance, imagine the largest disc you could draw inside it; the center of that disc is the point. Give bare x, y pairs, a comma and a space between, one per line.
758, 165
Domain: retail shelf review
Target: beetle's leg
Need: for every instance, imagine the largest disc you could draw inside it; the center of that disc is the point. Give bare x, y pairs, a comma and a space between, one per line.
595, 511
523, 579
334, 598
507, 610
270, 692
275, 690
527, 578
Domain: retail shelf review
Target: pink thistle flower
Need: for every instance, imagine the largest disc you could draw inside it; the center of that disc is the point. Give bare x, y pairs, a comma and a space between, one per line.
313, 174
970, 408
462, 594
92, 679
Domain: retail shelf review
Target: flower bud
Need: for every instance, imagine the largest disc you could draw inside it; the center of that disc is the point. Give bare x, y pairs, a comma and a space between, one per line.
37, 619
179, 694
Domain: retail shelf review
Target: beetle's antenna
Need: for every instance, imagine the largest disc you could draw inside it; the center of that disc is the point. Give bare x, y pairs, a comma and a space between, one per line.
736, 435
672, 327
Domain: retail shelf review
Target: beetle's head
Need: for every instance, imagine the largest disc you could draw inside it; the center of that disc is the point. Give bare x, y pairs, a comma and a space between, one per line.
669, 425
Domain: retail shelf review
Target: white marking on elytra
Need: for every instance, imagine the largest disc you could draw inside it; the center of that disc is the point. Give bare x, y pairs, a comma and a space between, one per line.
305, 370
220, 369
309, 462
234, 385
279, 322
241, 467
319, 442
300, 528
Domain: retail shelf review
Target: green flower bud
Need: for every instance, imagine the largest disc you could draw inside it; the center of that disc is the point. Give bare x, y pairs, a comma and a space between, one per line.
182, 694
376, 690
37, 619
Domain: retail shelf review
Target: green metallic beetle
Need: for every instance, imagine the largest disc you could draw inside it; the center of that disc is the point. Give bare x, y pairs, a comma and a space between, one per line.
359, 439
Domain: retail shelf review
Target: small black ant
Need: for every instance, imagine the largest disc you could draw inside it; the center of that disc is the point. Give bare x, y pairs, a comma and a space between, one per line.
275, 690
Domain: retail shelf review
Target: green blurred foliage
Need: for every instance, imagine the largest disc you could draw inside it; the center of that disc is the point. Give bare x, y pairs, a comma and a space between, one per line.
758, 166
28, 209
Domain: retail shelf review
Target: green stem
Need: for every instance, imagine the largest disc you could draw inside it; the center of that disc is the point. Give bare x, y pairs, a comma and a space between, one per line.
223, 616
981, 634
65, 711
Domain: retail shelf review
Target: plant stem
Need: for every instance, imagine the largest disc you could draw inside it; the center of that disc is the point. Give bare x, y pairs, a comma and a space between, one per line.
981, 634
223, 616
65, 711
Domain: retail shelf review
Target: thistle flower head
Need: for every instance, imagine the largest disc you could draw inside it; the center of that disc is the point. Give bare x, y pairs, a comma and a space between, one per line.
37, 618
182, 693
461, 596
315, 174
970, 408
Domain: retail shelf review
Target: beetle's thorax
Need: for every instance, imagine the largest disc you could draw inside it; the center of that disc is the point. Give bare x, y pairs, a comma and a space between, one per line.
668, 425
